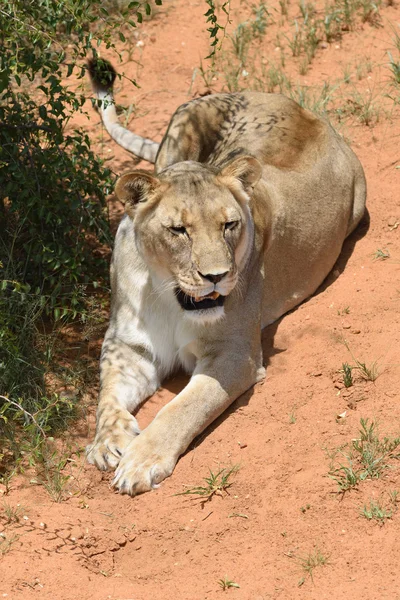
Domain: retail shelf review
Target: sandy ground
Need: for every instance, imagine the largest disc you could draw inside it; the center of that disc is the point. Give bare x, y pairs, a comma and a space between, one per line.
282, 508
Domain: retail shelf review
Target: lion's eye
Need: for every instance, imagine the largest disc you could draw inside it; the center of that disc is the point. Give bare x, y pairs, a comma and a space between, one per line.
177, 230
231, 225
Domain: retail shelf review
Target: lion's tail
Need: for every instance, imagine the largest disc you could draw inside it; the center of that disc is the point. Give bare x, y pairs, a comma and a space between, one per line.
102, 75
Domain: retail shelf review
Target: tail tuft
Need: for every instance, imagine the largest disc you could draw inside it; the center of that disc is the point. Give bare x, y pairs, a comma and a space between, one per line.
102, 74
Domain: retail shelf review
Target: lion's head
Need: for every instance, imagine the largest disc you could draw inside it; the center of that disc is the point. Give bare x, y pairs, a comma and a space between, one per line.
193, 228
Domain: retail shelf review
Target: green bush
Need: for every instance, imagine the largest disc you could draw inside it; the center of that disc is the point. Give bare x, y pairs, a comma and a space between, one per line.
53, 188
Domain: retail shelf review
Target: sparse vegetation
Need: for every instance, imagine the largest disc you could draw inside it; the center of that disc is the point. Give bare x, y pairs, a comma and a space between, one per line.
51, 472
375, 511
12, 514
381, 254
292, 416
347, 376
310, 562
226, 583
368, 372
366, 457
7, 541
215, 484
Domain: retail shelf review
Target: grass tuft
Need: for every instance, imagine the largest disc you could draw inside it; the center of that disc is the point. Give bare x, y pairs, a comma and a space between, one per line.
375, 511
366, 457
226, 583
347, 376
381, 254
310, 562
215, 484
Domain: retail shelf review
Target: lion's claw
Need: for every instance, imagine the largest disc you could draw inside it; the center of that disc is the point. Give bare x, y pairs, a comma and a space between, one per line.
110, 443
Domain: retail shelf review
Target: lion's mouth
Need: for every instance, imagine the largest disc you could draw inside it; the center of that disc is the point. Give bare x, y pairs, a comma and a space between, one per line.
199, 303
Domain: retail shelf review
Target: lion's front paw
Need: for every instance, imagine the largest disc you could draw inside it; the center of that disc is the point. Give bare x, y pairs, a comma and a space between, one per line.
142, 467
113, 436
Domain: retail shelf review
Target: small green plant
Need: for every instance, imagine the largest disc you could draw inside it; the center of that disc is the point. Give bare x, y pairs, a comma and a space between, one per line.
364, 107
296, 42
50, 467
215, 484
303, 66
345, 476
250, 30
370, 12
375, 511
366, 457
333, 25
395, 68
310, 562
380, 254
12, 514
226, 583
347, 74
314, 99
344, 311
271, 78
347, 376
360, 71
6, 542
368, 372
261, 16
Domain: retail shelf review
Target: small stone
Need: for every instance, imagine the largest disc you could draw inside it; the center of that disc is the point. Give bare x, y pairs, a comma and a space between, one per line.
76, 533
120, 539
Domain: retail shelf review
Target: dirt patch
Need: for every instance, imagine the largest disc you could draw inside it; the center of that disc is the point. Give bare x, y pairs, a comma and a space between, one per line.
269, 530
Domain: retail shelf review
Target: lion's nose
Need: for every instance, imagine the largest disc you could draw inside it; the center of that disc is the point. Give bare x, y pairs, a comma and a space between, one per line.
214, 278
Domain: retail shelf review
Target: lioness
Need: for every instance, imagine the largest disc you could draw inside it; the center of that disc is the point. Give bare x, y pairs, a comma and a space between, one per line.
245, 215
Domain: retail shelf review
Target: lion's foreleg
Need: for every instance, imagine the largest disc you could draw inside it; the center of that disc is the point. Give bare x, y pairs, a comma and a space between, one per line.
128, 376
214, 386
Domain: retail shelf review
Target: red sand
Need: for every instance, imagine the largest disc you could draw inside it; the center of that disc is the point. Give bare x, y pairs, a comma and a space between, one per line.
99, 545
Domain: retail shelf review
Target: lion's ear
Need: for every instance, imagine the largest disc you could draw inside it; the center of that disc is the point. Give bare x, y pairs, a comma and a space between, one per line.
246, 169
135, 187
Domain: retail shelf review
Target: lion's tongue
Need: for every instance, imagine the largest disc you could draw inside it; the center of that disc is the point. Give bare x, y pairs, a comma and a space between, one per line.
213, 296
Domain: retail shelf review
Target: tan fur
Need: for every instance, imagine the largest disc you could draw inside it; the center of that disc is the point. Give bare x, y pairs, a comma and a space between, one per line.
266, 193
